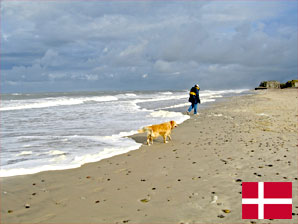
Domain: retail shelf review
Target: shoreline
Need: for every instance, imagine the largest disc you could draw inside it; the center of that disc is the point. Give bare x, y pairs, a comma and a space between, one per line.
137, 137
174, 182
45, 168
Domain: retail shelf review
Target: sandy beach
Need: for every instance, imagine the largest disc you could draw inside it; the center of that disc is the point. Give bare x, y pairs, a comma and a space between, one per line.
195, 178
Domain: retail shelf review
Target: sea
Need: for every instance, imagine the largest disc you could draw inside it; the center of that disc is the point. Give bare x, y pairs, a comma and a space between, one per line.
56, 131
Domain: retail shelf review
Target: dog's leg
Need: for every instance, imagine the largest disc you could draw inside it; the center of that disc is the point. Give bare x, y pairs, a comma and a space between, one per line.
151, 138
165, 138
148, 139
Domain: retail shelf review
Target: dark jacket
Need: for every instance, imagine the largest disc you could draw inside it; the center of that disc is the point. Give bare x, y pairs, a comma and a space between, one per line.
194, 97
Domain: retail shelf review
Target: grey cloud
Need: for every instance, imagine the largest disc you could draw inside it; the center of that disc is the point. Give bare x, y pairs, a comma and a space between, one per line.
132, 45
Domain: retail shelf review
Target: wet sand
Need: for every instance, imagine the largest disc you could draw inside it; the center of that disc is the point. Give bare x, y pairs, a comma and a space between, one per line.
195, 178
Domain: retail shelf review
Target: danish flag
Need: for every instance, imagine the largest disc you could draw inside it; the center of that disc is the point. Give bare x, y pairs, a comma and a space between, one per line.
266, 200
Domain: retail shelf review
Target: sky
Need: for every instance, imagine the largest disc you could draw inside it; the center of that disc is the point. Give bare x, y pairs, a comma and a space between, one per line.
49, 46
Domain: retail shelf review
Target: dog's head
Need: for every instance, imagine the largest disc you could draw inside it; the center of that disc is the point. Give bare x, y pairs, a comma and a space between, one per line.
173, 124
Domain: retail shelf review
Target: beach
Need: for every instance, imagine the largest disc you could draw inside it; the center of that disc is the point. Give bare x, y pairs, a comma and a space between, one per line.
195, 178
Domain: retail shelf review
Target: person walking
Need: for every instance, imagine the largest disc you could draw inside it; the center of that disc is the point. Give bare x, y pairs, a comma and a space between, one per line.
194, 98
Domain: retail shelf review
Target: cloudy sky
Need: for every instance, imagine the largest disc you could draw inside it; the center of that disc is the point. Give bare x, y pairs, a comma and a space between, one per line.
143, 45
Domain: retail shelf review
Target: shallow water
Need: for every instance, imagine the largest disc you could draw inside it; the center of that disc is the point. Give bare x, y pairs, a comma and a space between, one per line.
52, 131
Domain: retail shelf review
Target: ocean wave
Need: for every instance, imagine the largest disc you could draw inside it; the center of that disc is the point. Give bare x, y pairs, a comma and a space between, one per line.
175, 106
91, 132
161, 98
56, 152
25, 153
52, 102
112, 140
130, 94
59, 158
177, 116
204, 100
166, 93
164, 113
106, 153
62, 162
184, 95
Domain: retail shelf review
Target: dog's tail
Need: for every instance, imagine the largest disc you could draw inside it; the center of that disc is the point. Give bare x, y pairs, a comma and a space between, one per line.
144, 129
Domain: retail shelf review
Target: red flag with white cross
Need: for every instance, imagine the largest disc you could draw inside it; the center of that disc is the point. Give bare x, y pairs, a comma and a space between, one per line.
266, 200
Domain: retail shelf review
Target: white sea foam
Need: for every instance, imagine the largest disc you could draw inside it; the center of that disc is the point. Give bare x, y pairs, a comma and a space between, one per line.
58, 158
100, 98
27, 146
186, 104
127, 96
175, 106
163, 113
62, 162
130, 94
106, 153
166, 93
177, 116
206, 95
52, 102
105, 139
56, 152
161, 98
25, 153
122, 134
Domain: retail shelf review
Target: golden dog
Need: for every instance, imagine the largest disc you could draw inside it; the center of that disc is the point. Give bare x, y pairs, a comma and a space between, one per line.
156, 130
